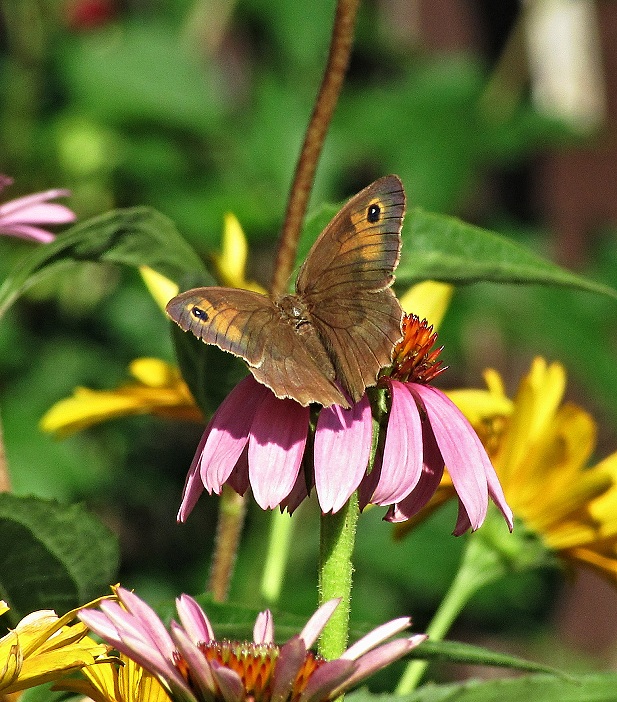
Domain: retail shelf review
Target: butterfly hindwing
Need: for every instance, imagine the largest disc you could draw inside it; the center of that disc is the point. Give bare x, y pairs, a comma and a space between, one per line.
345, 283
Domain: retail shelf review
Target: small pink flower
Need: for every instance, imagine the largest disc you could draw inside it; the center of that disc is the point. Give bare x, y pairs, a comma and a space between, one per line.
22, 216
194, 666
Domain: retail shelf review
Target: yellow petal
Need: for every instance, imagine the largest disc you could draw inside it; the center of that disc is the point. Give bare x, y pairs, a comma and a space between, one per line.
428, 300
154, 372
480, 405
231, 262
161, 288
3, 607
162, 392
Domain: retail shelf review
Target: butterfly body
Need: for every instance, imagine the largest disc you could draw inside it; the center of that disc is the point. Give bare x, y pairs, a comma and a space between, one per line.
338, 329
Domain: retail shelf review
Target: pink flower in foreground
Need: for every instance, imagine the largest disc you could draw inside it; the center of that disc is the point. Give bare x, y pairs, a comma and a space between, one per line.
195, 667
22, 216
425, 433
257, 439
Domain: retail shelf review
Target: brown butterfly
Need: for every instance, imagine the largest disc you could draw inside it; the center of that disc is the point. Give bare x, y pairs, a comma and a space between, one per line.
338, 329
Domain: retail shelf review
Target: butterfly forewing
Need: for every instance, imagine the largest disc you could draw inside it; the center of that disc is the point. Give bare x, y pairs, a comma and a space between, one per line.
251, 326
345, 281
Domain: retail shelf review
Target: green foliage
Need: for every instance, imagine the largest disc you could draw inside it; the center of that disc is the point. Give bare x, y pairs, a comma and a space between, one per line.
55, 556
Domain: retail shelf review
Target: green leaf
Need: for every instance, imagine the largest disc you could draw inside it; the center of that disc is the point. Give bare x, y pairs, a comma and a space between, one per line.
138, 236
54, 556
539, 688
457, 652
44, 693
444, 248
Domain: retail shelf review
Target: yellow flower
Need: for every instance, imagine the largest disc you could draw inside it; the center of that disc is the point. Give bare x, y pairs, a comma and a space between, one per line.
428, 300
160, 390
43, 647
116, 680
231, 262
540, 449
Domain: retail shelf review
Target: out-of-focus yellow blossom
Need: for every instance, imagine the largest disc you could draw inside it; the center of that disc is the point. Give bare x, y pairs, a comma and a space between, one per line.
428, 300
116, 680
540, 449
161, 288
44, 647
160, 390
231, 262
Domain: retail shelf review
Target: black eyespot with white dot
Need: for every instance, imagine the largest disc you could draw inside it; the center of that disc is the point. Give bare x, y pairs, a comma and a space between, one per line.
373, 213
199, 313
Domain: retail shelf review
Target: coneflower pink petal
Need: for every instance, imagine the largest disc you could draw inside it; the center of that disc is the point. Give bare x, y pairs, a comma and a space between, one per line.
461, 449
291, 658
276, 446
496, 494
401, 465
341, 434
328, 677
33, 210
299, 492
149, 620
201, 672
194, 620
377, 659
316, 623
228, 432
377, 636
25, 231
193, 485
229, 682
432, 472
263, 631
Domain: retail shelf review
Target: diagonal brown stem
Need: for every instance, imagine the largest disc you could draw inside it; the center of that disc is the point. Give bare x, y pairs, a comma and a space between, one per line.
232, 510
5, 480
338, 59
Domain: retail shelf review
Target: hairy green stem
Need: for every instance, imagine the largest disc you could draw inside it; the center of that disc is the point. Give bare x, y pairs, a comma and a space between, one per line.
338, 535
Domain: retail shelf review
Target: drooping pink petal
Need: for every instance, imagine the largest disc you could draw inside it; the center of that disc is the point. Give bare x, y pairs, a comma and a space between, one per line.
239, 477
299, 492
341, 453
263, 631
401, 465
194, 620
228, 432
276, 446
461, 449
193, 486
432, 472
291, 658
495, 492
316, 623
377, 636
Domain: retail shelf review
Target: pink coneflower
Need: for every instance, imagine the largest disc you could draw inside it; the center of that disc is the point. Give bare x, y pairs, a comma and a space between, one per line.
195, 667
257, 439
22, 216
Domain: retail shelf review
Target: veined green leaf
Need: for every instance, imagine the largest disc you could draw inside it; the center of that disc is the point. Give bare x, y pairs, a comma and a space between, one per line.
445, 248
138, 236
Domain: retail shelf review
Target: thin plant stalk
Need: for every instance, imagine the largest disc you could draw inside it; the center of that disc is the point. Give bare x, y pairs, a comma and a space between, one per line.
232, 510
279, 543
332, 82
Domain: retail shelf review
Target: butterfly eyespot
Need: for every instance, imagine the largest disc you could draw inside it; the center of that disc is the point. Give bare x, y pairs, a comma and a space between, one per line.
199, 313
373, 213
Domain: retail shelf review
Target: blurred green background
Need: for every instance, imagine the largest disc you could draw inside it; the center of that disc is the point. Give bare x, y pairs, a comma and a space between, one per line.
197, 108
